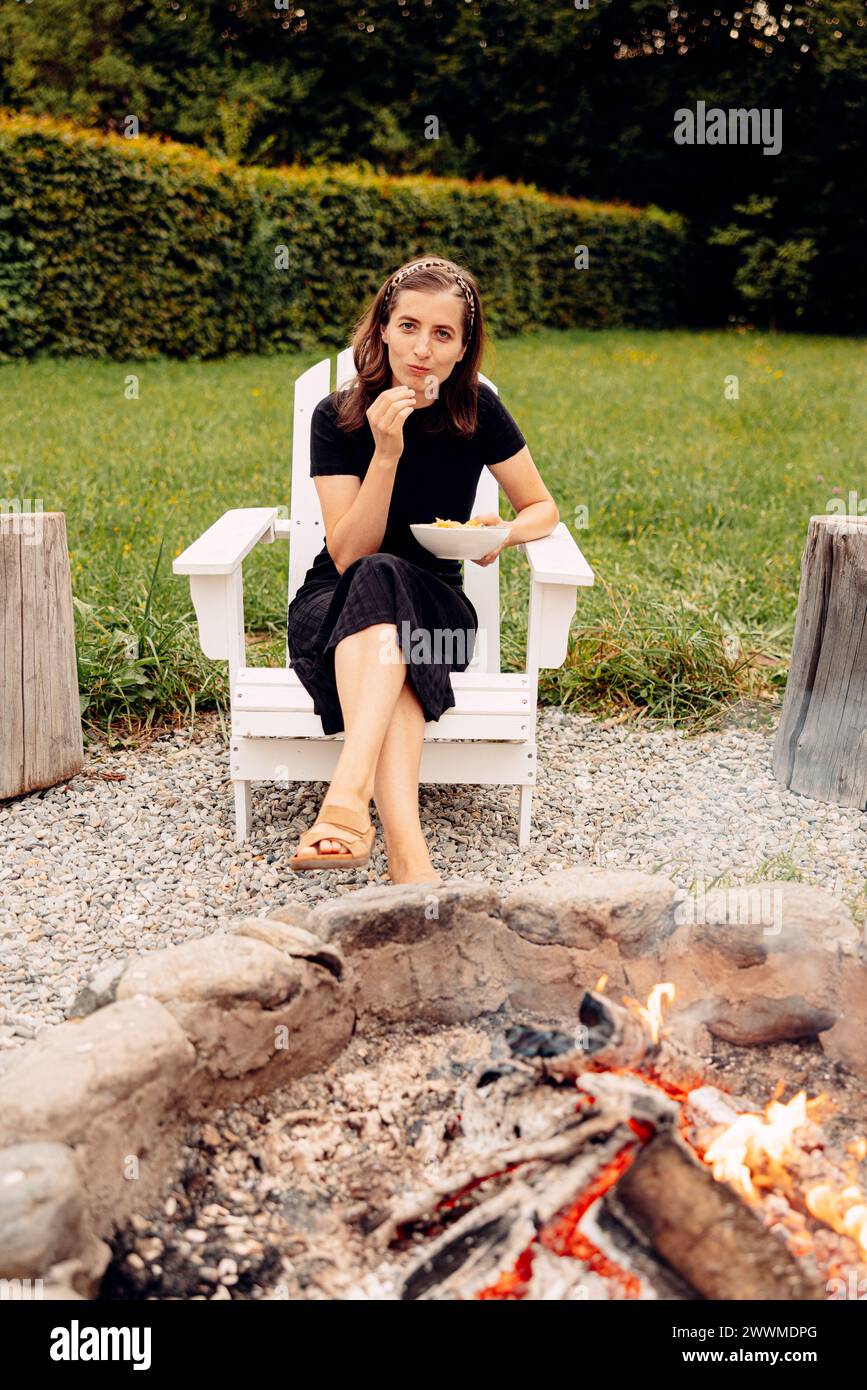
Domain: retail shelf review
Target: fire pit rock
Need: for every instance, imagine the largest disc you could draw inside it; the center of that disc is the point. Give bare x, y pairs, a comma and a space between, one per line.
445, 953
246, 1005
42, 1221
766, 963
587, 908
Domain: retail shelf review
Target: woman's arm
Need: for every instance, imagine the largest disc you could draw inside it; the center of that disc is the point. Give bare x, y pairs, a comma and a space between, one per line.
536, 510
356, 513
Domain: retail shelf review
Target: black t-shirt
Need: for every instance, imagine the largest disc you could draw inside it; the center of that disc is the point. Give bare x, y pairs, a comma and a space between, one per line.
437, 475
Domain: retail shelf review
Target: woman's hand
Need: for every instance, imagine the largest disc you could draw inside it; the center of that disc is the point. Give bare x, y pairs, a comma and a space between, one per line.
386, 417
491, 519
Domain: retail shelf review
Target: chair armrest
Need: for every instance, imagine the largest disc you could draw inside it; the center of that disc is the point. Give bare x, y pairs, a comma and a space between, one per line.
557, 569
223, 547
214, 565
556, 559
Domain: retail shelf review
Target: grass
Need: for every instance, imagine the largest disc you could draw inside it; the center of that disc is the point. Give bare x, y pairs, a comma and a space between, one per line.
696, 506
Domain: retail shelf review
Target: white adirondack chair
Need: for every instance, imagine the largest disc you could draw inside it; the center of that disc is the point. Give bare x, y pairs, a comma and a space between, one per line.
490, 734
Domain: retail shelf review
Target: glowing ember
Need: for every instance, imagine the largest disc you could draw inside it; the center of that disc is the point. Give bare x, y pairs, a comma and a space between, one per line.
561, 1236
759, 1145
843, 1209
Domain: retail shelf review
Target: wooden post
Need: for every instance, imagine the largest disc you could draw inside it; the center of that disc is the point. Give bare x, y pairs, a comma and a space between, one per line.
821, 746
40, 718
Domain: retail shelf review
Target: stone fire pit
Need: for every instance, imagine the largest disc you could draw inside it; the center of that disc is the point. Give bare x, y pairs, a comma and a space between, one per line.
95, 1113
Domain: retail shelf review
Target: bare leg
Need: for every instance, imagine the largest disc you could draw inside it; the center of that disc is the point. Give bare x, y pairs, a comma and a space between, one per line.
396, 792
370, 673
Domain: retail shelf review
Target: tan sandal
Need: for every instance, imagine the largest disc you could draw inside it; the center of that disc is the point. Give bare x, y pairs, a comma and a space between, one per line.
352, 828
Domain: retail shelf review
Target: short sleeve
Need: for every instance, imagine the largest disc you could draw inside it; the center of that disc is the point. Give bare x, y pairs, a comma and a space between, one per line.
331, 451
498, 433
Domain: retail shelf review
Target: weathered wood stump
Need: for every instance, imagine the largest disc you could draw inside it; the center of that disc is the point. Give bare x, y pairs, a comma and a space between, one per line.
40, 714
821, 747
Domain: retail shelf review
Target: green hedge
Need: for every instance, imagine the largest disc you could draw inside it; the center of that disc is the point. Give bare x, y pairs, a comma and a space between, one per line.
135, 248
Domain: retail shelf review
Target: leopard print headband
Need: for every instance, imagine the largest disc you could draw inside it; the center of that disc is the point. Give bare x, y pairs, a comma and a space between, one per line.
422, 265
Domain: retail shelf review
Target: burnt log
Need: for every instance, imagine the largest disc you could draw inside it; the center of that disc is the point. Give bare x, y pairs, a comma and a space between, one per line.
491, 1241
611, 1038
557, 1148
704, 1230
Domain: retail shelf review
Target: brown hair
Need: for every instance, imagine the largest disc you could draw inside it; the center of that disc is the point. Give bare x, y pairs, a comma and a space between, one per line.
458, 396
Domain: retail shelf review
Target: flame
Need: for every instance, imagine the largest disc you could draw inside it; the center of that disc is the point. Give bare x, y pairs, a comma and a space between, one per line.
651, 1016
754, 1144
858, 1148
600, 983
843, 1209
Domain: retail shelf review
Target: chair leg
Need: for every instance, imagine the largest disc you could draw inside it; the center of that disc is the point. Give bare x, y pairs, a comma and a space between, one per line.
242, 811
524, 812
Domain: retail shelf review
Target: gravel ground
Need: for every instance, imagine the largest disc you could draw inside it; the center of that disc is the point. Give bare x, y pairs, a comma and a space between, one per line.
137, 853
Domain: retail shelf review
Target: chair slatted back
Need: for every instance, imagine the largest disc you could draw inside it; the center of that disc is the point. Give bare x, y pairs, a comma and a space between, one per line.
481, 583
308, 529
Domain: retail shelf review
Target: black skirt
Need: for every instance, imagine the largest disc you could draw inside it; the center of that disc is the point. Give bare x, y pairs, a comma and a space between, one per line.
436, 630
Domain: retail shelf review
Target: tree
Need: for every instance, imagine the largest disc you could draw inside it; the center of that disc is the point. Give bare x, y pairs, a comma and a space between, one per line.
769, 271
577, 101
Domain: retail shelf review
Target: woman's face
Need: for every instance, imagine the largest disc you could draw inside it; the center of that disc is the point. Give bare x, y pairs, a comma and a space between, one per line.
425, 331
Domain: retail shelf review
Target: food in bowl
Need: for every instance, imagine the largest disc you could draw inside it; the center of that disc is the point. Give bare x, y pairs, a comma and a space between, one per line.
458, 540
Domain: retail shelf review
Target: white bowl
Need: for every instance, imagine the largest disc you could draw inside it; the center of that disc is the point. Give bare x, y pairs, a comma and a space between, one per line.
459, 542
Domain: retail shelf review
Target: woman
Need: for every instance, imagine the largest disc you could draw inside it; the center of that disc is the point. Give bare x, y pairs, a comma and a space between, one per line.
405, 443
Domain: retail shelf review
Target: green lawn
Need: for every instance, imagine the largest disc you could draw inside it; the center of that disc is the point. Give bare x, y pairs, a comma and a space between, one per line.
697, 505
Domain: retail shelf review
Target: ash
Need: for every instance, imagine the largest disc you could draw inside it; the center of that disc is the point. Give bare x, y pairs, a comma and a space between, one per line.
276, 1198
